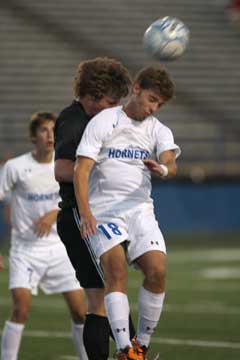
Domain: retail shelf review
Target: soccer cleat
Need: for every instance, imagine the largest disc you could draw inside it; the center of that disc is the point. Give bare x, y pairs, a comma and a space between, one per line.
140, 350
129, 354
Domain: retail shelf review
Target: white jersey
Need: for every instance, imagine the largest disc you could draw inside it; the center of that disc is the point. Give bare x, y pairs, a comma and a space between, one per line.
34, 192
119, 179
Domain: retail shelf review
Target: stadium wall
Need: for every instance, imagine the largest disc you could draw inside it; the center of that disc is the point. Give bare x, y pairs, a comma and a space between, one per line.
188, 207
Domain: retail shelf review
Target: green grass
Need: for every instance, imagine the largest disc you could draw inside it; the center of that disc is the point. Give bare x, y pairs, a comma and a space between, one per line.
201, 318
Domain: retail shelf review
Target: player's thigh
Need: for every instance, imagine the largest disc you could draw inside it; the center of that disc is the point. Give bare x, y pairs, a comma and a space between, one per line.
153, 264
144, 233
78, 251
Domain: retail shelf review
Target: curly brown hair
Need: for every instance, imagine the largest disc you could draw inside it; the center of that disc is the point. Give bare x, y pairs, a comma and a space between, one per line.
100, 77
157, 78
37, 119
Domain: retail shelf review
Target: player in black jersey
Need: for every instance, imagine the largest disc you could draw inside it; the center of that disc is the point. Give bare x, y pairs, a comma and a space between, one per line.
100, 83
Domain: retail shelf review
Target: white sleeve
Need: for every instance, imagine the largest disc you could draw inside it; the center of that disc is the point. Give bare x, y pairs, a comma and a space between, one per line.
165, 141
93, 137
8, 178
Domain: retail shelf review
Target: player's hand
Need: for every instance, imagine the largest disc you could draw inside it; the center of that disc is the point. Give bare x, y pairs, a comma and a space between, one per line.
88, 225
43, 225
1, 263
154, 167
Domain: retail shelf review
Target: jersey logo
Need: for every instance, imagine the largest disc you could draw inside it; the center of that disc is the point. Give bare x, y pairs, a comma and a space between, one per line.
129, 153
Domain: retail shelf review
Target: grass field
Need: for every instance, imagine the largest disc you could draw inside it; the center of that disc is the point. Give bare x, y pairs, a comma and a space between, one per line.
201, 318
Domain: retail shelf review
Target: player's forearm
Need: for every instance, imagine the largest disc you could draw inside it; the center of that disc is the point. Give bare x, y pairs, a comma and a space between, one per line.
64, 170
80, 181
168, 159
171, 168
53, 215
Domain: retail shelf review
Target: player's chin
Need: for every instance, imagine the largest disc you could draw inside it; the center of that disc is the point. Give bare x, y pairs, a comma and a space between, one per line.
50, 147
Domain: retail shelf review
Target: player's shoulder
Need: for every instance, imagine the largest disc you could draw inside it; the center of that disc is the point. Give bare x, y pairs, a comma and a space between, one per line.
108, 115
19, 161
72, 113
159, 126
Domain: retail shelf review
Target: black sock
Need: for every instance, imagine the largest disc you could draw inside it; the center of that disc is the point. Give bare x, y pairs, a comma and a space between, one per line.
132, 330
96, 337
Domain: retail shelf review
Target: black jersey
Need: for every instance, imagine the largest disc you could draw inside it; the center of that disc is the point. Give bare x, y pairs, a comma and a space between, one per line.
68, 131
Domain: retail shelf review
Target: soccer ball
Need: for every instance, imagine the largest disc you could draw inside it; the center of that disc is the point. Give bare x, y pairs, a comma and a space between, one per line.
166, 38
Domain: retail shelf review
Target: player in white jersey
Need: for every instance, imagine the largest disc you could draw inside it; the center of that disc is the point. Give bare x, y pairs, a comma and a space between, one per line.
118, 151
37, 256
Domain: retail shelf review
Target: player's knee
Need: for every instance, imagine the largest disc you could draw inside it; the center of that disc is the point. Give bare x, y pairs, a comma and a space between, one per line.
20, 313
78, 317
116, 276
156, 276
78, 312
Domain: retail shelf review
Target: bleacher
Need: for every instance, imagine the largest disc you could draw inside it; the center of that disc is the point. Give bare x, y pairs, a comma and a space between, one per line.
42, 43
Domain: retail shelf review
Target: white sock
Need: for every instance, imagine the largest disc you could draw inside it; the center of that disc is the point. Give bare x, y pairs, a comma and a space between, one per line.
11, 339
77, 336
117, 309
149, 310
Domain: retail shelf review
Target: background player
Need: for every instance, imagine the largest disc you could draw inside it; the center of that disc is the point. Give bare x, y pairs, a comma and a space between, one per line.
37, 256
119, 148
99, 83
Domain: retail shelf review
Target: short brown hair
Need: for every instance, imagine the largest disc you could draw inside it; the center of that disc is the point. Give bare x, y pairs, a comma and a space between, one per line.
37, 119
100, 77
157, 78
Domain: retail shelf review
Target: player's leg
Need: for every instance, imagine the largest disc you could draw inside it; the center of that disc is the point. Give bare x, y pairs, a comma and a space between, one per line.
147, 249
13, 329
75, 300
59, 277
114, 266
151, 294
96, 328
150, 298
23, 281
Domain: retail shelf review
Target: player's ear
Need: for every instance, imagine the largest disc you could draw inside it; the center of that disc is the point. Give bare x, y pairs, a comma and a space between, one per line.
136, 89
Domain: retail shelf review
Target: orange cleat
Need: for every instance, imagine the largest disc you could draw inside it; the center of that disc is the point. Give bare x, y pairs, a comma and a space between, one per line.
129, 353
140, 350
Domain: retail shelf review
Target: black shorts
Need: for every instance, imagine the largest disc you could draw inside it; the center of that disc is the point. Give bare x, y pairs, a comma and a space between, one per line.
87, 272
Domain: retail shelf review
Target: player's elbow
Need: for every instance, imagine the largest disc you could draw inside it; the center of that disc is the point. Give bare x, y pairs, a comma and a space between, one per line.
57, 175
63, 170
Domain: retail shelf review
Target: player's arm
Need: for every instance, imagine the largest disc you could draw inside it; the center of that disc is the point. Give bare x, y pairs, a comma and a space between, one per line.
66, 137
64, 169
166, 167
43, 225
81, 175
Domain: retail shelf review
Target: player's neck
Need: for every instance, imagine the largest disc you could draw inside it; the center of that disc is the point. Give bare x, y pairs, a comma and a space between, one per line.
42, 156
128, 110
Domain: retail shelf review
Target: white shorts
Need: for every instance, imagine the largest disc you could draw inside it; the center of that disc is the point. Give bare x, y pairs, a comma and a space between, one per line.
47, 268
138, 226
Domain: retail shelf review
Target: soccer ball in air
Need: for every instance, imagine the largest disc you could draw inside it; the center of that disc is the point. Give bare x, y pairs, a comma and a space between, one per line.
166, 38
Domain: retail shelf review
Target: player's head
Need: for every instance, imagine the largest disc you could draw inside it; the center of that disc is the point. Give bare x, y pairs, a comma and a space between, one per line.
41, 128
101, 83
152, 87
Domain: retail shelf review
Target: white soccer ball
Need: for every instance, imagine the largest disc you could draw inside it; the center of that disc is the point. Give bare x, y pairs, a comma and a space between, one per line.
166, 38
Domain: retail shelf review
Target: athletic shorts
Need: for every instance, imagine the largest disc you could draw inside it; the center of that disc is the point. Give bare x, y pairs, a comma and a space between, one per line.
79, 252
138, 227
47, 268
